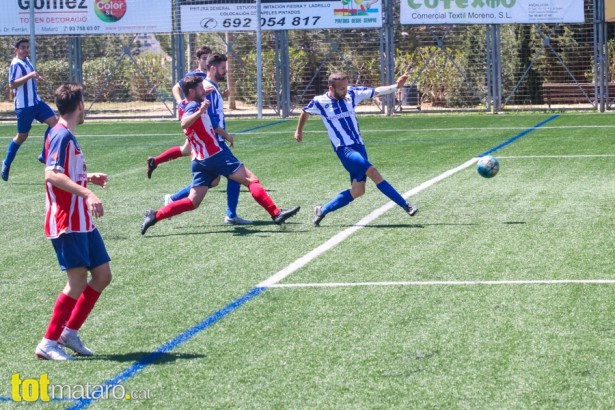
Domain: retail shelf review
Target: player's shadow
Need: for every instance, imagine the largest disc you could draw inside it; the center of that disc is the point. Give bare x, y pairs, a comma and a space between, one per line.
145, 357
236, 230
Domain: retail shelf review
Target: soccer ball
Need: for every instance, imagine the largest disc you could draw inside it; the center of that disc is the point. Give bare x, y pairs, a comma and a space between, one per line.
488, 166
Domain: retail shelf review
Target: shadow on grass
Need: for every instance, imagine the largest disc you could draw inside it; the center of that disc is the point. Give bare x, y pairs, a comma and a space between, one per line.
147, 357
236, 230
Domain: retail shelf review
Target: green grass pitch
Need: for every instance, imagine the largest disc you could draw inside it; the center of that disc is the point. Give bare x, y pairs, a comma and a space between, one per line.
499, 294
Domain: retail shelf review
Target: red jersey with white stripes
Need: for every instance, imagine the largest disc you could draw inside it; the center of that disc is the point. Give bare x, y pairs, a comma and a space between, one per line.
65, 212
201, 135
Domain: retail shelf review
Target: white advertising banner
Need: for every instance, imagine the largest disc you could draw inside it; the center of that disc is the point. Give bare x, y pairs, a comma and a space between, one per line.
86, 16
491, 11
224, 15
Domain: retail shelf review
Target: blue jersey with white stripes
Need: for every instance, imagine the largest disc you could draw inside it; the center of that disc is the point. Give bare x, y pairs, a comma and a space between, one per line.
26, 94
339, 116
216, 108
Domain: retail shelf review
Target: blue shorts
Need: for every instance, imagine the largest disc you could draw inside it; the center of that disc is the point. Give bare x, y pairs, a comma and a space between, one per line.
354, 159
25, 116
223, 163
78, 249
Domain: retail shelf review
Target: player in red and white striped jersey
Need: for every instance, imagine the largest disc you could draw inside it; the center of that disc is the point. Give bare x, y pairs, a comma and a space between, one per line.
68, 223
209, 161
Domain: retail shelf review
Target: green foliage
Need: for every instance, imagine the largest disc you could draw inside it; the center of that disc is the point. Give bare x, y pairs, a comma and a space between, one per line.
152, 75
564, 42
433, 70
246, 89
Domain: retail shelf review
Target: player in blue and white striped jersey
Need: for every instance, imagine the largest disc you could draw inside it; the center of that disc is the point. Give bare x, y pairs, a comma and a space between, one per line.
28, 105
337, 110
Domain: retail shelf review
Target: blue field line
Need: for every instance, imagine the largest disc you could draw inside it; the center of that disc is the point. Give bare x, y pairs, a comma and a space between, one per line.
172, 344
259, 127
516, 137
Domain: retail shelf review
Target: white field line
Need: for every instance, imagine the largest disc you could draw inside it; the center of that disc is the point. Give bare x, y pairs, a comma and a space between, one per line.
447, 283
341, 236
559, 156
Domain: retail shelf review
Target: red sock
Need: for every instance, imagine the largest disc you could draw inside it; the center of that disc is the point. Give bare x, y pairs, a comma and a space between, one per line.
169, 155
82, 309
174, 208
61, 313
262, 197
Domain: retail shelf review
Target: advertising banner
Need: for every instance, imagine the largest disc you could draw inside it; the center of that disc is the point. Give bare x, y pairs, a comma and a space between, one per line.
491, 11
86, 17
224, 15
609, 10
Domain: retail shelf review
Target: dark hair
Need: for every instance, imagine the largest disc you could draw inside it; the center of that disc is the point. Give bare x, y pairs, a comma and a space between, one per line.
67, 97
21, 40
335, 77
214, 59
190, 83
201, 51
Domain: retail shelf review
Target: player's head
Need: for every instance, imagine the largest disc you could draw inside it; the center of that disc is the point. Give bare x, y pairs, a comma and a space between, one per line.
69, 99
22, 47
338, 85
192, 87
201, 57
216, 66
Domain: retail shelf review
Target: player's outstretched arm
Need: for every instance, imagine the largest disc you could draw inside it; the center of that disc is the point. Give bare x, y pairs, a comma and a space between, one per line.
390, 89
300, 124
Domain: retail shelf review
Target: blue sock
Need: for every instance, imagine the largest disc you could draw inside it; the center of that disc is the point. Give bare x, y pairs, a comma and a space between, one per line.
10, 153
41, 157
181, 194
232, 198
341, 200
390, 192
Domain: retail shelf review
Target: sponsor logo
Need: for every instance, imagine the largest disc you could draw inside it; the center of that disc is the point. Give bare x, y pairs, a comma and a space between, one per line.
110, 11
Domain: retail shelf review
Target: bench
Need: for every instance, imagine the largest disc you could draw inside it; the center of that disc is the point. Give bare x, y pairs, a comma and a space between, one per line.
571, 93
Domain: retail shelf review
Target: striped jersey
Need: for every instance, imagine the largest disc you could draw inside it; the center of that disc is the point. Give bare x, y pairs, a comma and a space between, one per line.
65, 212
26, 94
339, 116
200, 135
216, 108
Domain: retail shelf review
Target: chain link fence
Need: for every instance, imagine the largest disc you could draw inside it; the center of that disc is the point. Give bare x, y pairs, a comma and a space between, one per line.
451, 67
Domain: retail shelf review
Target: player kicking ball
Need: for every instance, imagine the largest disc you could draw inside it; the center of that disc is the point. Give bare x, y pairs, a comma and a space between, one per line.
337, 109
209, 161
71, 207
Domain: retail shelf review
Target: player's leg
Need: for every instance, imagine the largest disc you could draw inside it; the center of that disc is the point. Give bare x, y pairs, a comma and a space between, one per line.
11, 152
200, 183
168, 155
356, 163
49, 348
51, 121
101, 278
245, 177
233, 189
181, 194
25, 116
185, 191
388, 190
